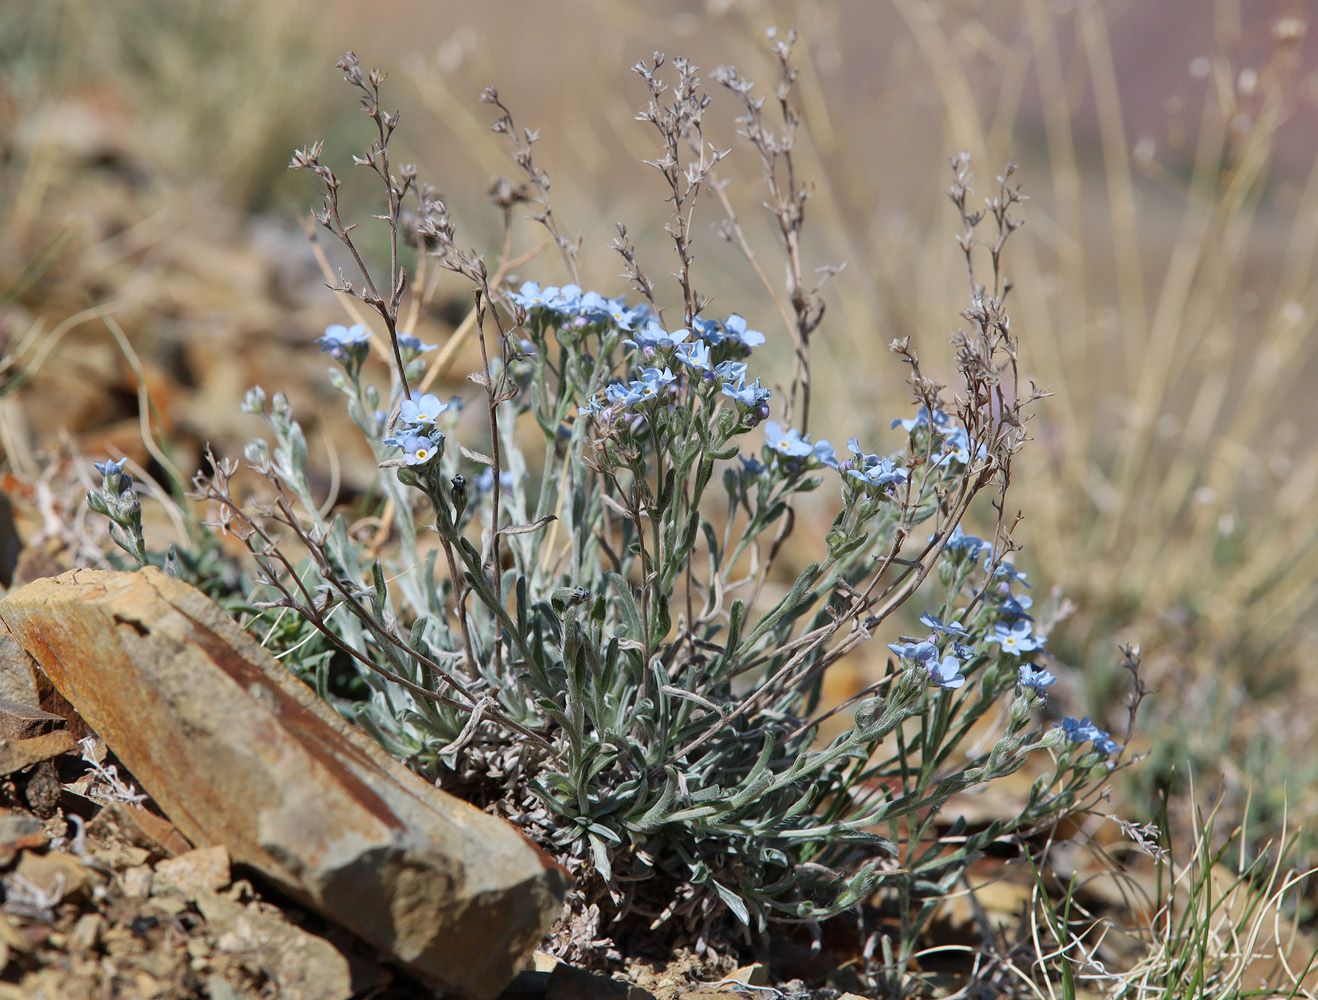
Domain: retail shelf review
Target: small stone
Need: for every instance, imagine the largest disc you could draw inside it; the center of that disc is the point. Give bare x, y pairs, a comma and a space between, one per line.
86, 932
129, 824
44, 789
54, 874
752, 975
202, 868
137, 882
301, 965
218, 988
21, 721
18, 677
17, 831
16, 754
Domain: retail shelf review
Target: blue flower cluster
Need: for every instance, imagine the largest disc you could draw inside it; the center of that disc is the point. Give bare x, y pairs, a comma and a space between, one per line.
649, 387
951, 442
416, 433
347, 345
580, 308
1082, 730
1012, 631
944, 669
875, 473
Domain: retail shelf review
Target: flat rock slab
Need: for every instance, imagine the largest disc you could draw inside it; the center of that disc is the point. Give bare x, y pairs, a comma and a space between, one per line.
239, 753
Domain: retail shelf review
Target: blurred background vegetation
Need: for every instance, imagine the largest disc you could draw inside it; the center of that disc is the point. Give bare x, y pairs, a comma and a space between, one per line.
1166, 282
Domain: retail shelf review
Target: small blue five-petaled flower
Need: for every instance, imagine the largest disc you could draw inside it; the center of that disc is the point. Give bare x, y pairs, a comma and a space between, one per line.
1008, 570
694, 354
1014, 638
653, 382
938, 625
958, 539
419, 449
338, 336
1014, 608
654, 335
786, 442
1081, 730
409, 343
922, 652
423, 410
750, 395
881, 473
946, 673
734, 328
731, 371
1034, 677
941, 422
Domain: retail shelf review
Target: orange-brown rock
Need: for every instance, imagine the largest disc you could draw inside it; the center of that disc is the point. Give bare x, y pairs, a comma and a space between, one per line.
238, 752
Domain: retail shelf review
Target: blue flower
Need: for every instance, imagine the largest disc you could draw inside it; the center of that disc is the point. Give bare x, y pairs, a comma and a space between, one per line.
920, 652
653, 382
1014, 609
1034, 677
565, 301
731, 371
419, 449
734, 328
421, 411
346, 344
872, 470
1106, 745
652, 334
956, 448
707, 329
624, 395
338, 335
595, 308
111, 468
937, 624
1080, 730
116, 480
960, 540
409, 343
1008, 570
882, 473
752, 466
694, 354
750, 395
1014, 639
650, 385
946, 673
942, 423
786, 442
529, 296
826, 454
1084, 730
